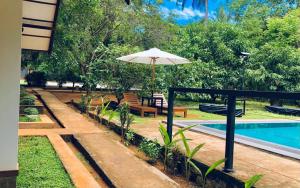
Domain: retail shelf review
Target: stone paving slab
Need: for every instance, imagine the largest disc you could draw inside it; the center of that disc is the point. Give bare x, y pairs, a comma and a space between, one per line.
120, 165
80, 176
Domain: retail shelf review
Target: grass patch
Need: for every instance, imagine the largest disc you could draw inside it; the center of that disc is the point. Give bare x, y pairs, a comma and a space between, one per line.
254, 110
39, 166
29, 119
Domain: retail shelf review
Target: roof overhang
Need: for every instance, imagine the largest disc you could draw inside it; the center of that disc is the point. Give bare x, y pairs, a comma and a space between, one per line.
38, 24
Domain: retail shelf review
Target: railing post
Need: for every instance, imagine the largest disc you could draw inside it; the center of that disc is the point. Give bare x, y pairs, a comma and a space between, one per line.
170, 112
230, 134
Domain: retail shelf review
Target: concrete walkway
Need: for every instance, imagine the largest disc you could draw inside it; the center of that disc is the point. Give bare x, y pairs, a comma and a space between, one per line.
77, 171
117, 162
121, 165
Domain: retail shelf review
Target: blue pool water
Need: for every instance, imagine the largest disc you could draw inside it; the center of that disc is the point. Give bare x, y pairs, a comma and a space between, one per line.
287, 134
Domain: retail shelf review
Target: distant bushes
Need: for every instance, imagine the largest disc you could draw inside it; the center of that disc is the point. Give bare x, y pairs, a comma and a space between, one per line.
36, 79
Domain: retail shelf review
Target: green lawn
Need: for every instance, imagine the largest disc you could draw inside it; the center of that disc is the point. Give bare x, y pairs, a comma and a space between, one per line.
39, 166
254, 110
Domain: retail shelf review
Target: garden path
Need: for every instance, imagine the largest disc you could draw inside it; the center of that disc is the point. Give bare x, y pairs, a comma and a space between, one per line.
117, 162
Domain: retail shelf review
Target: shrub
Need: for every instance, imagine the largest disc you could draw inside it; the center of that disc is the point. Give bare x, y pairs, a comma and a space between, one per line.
27, 100
37, 79
29, 118
23, 92
126, 120
129, 137
33, 118
31, 111
151, 149
84, 103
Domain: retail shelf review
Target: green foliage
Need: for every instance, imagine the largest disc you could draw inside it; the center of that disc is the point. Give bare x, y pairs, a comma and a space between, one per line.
129, 137
30, 118
126, 119
31, 111
169, 144
39, 165
213, 166
86, 46
27, 100
253, 180
36, 79
277, 60
23, 92
190, 165
151, 149
84, 103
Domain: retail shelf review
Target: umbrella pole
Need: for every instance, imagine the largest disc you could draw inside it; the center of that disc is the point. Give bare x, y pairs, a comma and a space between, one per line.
153, 74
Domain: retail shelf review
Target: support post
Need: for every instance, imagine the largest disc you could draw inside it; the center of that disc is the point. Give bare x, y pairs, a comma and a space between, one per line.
10, 71
229, 150
170, 112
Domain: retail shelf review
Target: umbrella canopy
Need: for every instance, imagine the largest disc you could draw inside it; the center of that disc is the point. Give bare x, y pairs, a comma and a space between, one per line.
154, 57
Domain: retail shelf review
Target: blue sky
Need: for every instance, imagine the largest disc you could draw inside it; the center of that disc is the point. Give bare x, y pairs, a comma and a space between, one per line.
189, 15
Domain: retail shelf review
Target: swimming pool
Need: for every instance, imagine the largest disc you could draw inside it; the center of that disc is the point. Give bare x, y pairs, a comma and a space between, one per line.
277, 136
287, 134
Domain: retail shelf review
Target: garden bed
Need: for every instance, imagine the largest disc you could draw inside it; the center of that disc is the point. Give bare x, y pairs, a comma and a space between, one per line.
39, 166
44, 122
39, 107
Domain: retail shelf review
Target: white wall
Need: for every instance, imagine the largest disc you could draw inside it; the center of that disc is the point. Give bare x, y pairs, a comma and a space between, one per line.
10, 60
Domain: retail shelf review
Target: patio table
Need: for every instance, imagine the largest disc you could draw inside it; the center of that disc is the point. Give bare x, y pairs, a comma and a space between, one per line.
152, 102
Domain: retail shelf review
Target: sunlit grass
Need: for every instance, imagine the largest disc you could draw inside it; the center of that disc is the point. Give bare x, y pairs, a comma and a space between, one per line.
254, 110
39, 166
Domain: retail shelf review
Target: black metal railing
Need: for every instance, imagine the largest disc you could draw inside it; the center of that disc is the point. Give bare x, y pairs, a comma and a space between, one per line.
232, 96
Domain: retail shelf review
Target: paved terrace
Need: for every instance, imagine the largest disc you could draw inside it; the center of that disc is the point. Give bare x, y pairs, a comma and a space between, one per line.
278, 171
117, 162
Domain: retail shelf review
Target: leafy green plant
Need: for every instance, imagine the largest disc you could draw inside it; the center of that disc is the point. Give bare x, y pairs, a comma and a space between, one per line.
253, 180
33, 118
27, 100
168, 143
129, 137
23, 92
84, 103
151, 149
29, 118
103, 110
190, 153
31, 111
126, 120
189, 164
209, 170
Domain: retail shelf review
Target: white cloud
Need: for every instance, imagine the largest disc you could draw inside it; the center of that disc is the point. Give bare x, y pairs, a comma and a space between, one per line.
185, 14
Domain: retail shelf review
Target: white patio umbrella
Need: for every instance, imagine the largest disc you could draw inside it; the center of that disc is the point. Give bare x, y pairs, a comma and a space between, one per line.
154, 57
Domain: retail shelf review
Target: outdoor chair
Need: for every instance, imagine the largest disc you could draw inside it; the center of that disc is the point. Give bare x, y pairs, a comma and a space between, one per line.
164, 106
135, 105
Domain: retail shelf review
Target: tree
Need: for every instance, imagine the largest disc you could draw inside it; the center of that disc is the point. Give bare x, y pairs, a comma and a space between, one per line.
277, 61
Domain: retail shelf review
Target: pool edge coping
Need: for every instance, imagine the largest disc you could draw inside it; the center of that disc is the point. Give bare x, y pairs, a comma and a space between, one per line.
269, 147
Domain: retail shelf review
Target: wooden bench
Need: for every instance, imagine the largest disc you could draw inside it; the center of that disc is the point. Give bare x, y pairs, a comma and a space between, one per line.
164, 106
134, 104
